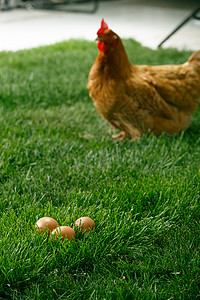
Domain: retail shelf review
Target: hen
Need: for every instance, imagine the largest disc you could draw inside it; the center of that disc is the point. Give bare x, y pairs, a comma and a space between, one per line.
141, 98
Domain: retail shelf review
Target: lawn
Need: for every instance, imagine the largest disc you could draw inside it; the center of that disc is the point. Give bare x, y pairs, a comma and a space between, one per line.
57, 159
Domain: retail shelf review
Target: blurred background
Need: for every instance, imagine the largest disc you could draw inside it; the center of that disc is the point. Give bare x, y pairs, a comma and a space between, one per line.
28, 24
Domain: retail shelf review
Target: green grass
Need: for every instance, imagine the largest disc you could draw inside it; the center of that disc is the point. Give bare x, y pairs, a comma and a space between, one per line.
57, 159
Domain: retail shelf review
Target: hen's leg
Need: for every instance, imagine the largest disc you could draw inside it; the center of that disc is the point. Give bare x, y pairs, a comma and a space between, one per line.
127, 129
121, 136
135, 134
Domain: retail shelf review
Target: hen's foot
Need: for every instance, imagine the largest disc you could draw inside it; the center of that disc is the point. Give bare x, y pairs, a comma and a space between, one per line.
120, 136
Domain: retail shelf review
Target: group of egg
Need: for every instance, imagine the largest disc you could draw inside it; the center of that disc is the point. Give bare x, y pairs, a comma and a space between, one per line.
51, 226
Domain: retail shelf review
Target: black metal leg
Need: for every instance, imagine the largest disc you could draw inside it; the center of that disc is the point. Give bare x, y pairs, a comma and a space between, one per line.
193, 15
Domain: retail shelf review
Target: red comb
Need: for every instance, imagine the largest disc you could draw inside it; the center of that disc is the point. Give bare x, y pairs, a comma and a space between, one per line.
103, 27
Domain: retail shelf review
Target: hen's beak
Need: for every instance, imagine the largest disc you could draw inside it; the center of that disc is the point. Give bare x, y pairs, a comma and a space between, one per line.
99, 38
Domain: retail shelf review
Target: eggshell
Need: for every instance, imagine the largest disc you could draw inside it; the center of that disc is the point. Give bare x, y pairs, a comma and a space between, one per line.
85, 223
46, 224
64, 231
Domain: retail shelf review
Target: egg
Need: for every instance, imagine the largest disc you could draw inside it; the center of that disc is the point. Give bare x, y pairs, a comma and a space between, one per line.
85, 223
64, 231
46, 224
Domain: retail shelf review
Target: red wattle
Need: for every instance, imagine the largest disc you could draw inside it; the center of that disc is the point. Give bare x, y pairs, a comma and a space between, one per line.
102, 47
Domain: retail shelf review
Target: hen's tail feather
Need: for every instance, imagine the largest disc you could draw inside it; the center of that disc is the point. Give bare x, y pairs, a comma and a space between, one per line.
195, 57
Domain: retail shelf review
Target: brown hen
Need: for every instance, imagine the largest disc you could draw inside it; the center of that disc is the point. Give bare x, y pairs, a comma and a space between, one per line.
138, 99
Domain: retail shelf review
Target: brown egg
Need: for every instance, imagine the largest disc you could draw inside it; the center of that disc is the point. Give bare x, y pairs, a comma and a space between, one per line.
46, 224
85, 223
64, 231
